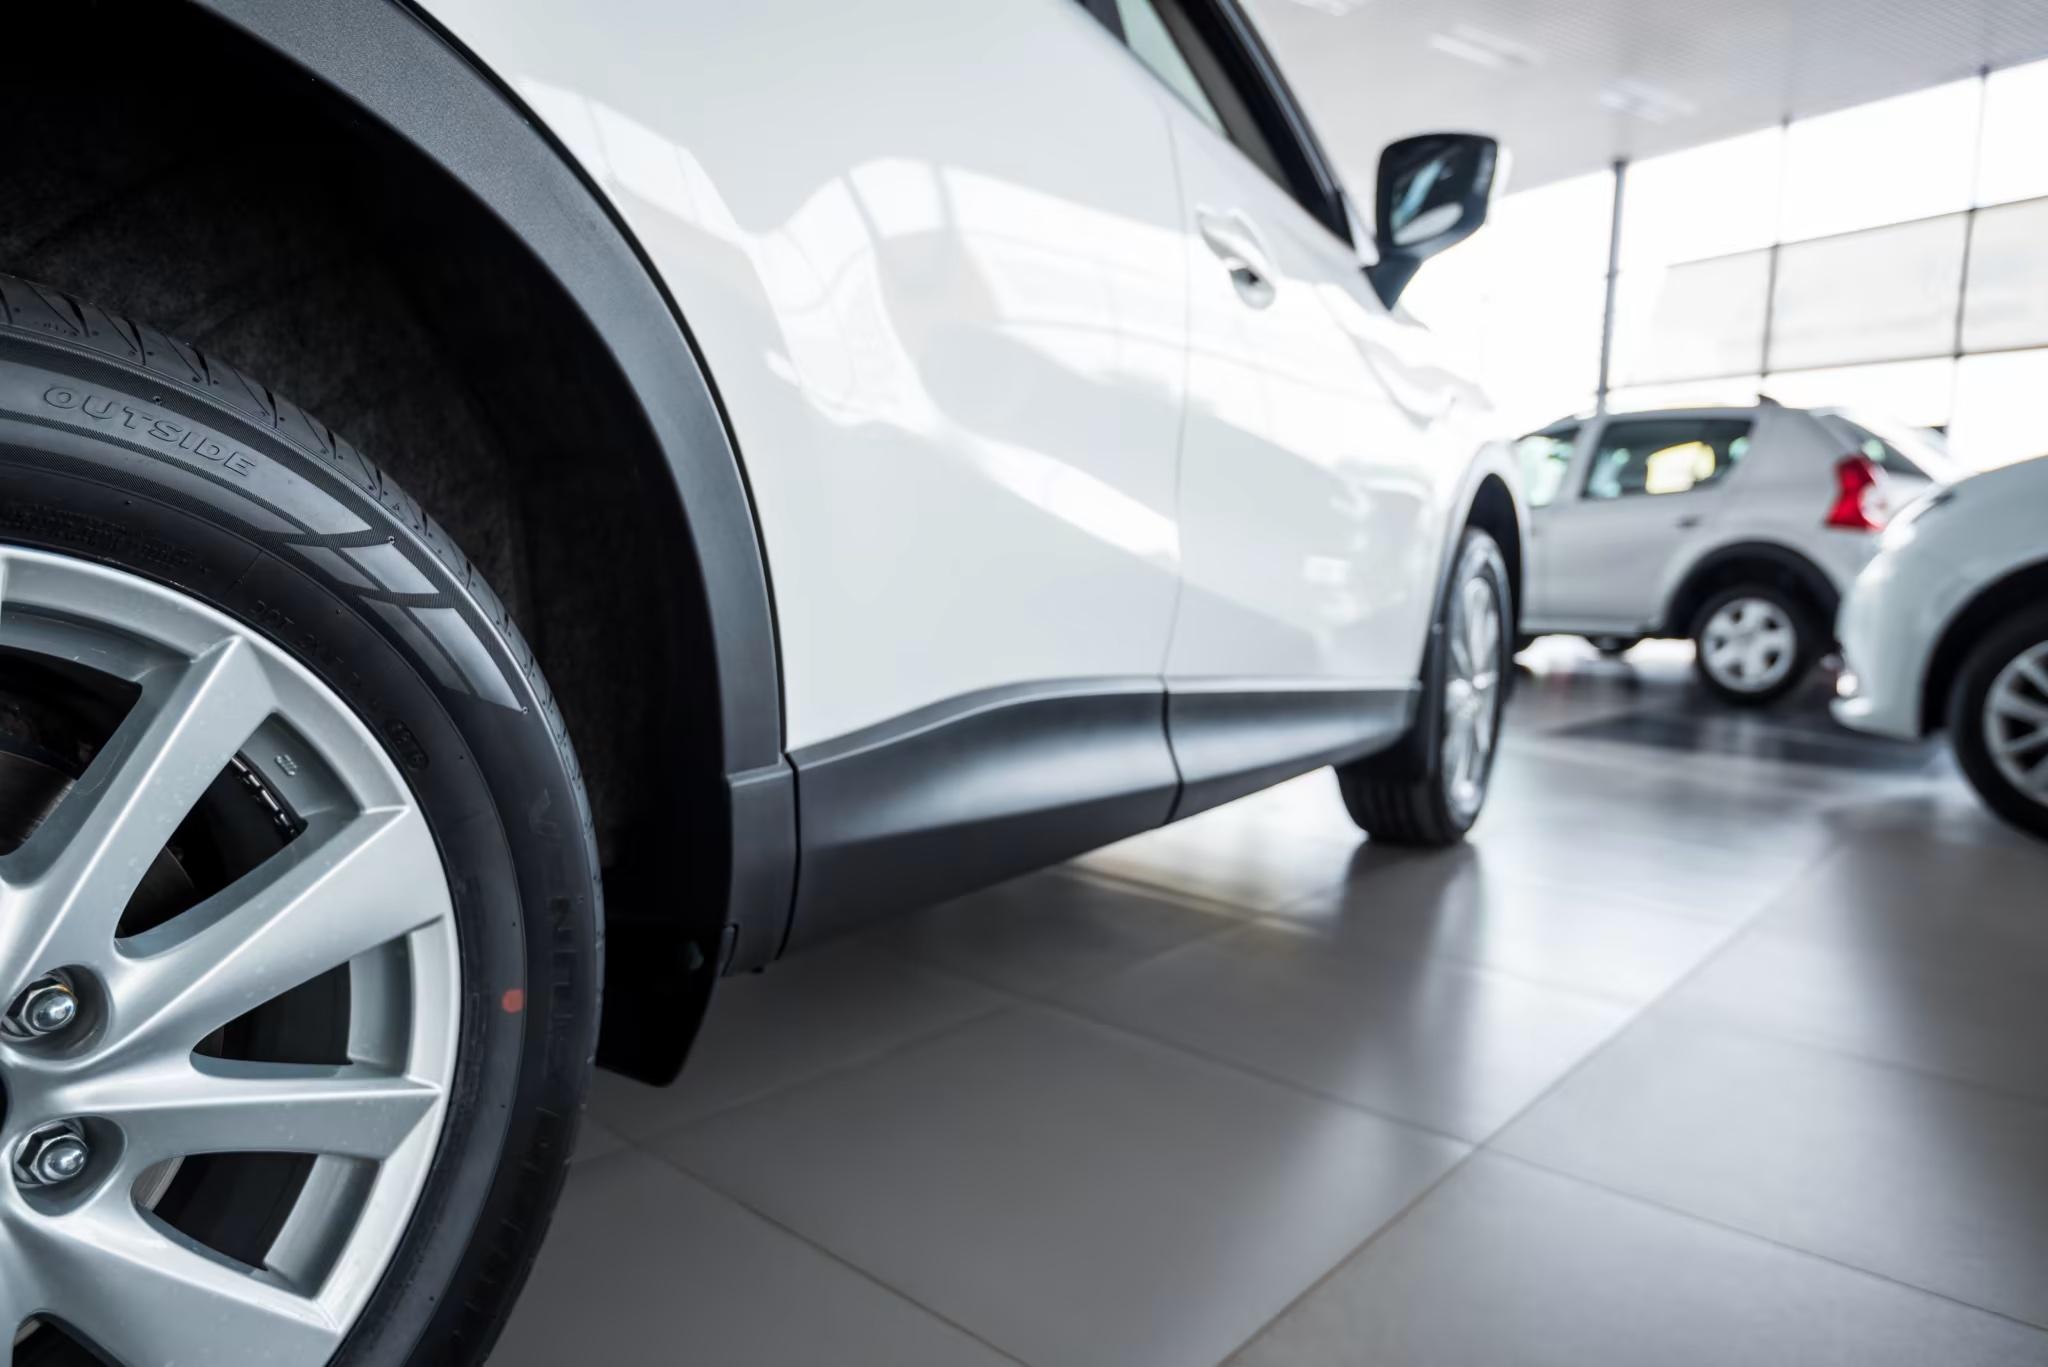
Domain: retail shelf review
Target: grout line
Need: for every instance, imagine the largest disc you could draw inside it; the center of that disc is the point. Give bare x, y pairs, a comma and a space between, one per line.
1486, 1145
864, 1274
1651, 1203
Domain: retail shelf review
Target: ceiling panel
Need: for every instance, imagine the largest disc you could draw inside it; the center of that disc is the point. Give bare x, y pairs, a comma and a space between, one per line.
1572, 86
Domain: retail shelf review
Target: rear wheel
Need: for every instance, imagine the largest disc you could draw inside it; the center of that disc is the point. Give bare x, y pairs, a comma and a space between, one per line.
1998, 721
1429, 789
290, 836
1754, 643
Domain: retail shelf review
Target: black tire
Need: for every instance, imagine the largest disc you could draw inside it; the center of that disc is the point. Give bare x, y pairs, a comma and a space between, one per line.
1614, 647
1968, 725
1809, 642
1401, 796
124, 447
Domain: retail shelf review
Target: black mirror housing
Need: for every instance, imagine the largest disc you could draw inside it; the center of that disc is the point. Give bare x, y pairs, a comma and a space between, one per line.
1434, 192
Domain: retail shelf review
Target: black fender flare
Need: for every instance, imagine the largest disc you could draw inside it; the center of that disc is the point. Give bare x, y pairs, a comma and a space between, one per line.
1690, 594
398, 68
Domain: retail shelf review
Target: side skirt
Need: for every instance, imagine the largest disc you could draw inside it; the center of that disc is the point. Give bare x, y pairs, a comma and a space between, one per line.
973, 790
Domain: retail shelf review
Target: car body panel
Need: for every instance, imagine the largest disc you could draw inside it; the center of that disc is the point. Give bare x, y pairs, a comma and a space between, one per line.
1936, 559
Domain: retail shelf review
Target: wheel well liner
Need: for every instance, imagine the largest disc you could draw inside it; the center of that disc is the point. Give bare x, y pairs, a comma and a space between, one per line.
2022, 588
1493, 511
537, 387
1742, 562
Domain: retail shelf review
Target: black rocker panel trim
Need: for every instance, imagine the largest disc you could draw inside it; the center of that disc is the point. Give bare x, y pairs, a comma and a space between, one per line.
973, 790
1233, 737
413, 78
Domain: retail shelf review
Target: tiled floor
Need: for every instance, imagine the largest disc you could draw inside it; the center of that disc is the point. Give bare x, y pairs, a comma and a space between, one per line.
1724, 1041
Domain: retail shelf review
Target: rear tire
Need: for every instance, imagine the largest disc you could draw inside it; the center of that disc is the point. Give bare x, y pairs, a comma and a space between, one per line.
1614, 647
1755, 643
122, 449
1998, 721
1431, 786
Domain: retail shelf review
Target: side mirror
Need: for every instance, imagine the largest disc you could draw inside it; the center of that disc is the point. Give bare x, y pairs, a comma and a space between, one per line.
1434, 190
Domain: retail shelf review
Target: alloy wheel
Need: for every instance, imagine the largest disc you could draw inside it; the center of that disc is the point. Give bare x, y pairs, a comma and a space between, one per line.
268, 1028
1471, 704
1749, 645
2016, 722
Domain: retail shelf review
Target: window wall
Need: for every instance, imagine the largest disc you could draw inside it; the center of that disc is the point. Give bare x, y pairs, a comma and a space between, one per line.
1892, 257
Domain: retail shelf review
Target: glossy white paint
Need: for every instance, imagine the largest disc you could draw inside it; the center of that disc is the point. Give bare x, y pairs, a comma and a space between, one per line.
1322, 452
943, 270
1935, 559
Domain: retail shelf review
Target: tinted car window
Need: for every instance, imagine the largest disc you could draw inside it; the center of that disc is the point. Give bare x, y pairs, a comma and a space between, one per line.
1657, 456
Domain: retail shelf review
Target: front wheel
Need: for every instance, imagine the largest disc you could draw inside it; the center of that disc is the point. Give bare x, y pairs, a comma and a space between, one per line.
1998, 721
299, 958
1754, 643
1428, 790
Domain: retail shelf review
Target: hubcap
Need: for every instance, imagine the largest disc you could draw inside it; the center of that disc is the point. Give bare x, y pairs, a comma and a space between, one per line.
1471, 693
133, 1106
2016, 722
1749, 645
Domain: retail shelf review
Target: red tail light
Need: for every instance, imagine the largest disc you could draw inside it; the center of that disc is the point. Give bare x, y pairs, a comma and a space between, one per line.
1859, 504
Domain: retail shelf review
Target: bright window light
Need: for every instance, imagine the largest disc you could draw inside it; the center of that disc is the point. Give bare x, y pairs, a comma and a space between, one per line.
1706, 201
1883, 162
1912, 393
1999, 415
2015, 156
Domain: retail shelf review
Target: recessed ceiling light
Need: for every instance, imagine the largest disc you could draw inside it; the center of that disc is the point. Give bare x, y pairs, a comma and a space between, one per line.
1470, 43
1641, 100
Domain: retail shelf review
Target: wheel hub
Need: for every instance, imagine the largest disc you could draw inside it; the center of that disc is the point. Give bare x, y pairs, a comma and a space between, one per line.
1471, 693
1749, 645
2016, 722
228, 1038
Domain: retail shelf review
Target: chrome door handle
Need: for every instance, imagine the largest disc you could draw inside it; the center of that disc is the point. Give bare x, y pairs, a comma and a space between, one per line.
1236, 245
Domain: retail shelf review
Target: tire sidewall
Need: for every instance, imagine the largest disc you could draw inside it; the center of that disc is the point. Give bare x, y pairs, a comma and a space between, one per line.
1422, 752
1980, 669
251, 524
1806, 647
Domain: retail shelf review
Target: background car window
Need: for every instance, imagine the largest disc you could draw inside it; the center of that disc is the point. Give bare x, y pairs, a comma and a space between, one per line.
1545, 457
1151, 44
1665, 455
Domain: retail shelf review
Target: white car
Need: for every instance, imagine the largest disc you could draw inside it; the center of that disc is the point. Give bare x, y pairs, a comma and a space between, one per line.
1948, 629
1737, 527
920, 441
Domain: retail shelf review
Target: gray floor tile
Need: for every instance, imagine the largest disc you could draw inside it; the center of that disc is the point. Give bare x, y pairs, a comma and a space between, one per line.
1923, 953
1462, 905
1451, 1047
1507, 1266
1049, 929
1936, 1184
1068, 1193
1256, 854
646, 1267
595, 1139
814, 1012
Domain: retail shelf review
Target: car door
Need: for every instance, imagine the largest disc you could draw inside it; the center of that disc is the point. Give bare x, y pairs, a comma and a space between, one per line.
1643, 488
1305, 504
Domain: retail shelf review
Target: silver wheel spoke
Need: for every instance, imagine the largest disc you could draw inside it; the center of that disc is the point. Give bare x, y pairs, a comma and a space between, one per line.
144, 1297
2016, 746
2015, 721
212, 1105
335, 892
74, 875
2007, 703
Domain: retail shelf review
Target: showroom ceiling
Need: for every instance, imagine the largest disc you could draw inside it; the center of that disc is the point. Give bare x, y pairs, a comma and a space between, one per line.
1573, 84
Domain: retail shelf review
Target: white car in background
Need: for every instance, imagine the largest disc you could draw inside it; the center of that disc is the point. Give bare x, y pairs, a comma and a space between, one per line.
1947, 629
1737, 527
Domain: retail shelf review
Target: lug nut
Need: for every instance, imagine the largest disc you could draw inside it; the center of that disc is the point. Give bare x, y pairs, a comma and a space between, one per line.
52, 1155
47, 1007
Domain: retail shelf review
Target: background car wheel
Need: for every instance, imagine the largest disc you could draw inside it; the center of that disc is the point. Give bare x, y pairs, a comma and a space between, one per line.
1754, 642
1613, 646
1429, 789
301, 968
1998, 721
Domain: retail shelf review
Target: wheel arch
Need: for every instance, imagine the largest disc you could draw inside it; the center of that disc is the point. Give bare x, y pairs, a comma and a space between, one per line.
1726, 566
574, 413
2024, 587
